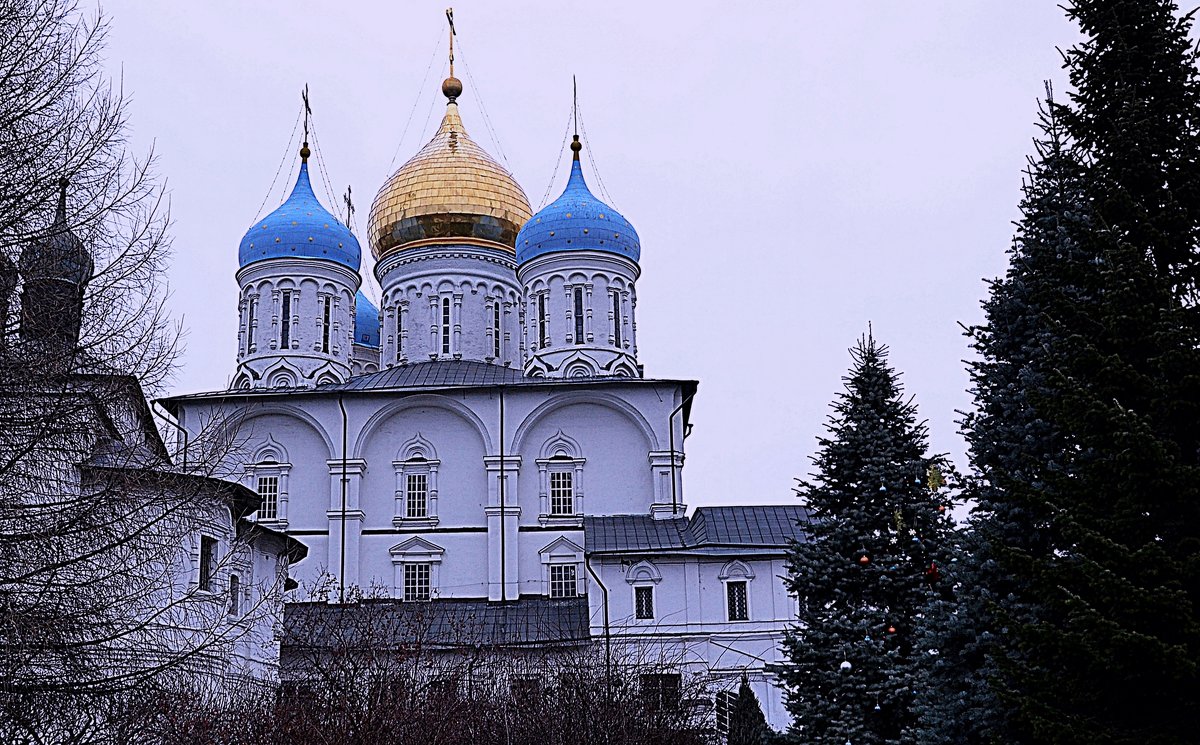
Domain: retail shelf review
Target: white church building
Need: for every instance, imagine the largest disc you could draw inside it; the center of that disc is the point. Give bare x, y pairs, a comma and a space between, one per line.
486, 434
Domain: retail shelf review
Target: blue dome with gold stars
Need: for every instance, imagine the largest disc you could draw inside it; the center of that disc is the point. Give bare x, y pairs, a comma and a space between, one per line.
300, 228
577, 221
366, 321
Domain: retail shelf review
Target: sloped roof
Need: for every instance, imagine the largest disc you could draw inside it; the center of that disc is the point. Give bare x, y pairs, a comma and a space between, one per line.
450, 623
435, 374
763, 527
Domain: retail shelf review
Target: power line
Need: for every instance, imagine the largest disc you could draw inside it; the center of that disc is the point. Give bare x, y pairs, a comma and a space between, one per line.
275, 178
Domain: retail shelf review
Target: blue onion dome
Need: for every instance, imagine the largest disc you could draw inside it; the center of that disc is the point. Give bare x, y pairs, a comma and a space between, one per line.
300, 228
577, 221
60, 255
366, 321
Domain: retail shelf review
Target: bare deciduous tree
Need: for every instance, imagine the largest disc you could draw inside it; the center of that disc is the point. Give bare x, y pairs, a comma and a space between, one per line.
98, 525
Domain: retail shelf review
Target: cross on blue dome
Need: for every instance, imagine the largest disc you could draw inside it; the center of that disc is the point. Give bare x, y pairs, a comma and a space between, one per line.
300, 228
577, 221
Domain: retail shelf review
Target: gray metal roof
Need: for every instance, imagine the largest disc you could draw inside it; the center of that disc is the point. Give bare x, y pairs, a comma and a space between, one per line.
433, 375
436, 374
387, 624
770, 527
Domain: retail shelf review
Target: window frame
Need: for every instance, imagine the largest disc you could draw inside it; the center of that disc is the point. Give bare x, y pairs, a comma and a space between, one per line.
251, 311
285, 319
207, 563
638, 592
497, 330
616, 310
543, 320
418, 568
661, 691
265, 514
326, 323
562, 495
731, 587
411, 507
447, 336
560, 454
563, 582
577, 306
416, 457
235, 596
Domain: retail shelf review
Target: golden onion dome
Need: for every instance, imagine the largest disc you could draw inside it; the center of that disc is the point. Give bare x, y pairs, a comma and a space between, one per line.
451, 192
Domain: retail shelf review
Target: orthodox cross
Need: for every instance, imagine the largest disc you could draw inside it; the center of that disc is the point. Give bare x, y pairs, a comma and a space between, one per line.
349, 208
307, 111
453, 33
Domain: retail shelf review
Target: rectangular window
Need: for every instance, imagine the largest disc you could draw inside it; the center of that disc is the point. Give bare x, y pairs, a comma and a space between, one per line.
735, 594
643, 600
399, 333
526, 689
208, 562
235, 595
725, 701
497, 338
562, 581
416, 582
660, 691
285, 320
562, 493
417, 500
268, 489
579, 315
543, 328
616, 303
251, 310
445, 325
326, 322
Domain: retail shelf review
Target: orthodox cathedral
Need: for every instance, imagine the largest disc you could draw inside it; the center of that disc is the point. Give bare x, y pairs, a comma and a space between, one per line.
485, 437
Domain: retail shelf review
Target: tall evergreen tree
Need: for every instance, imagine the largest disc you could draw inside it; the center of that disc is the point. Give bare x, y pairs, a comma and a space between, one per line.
1135, 115
873, 550
1014, 448
1078, 602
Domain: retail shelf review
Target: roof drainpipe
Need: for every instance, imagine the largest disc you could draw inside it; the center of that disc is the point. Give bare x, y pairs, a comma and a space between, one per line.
342, 569
154, 410
674, 469
503, 478
587, 562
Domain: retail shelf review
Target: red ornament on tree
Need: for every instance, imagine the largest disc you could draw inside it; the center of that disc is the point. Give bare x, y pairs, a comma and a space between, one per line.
932, 573
864, 560
891, 629
941, 508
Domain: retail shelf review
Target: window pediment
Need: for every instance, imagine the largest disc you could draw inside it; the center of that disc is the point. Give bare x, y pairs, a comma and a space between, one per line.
416, 549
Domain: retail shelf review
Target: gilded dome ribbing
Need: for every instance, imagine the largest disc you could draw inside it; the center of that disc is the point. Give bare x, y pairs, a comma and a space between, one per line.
451, 191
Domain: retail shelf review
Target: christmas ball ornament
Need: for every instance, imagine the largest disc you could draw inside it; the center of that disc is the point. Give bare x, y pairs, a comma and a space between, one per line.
864, 560
845, 665
891, 629
876, 707
882, 487
941, 508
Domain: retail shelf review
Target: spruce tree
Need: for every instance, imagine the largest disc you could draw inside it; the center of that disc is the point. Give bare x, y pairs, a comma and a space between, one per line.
1135, 116
1076, 616
872, 552
1013, 448
747, 724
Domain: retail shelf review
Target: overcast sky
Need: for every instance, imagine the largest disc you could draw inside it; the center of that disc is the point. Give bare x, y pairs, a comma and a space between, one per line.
795, 170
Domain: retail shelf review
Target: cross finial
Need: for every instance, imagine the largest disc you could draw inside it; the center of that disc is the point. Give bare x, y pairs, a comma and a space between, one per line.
304, 151
348, 199
576, 145
450, 20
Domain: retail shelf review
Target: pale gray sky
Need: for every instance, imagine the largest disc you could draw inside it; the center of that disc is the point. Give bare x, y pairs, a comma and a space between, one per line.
794, 169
